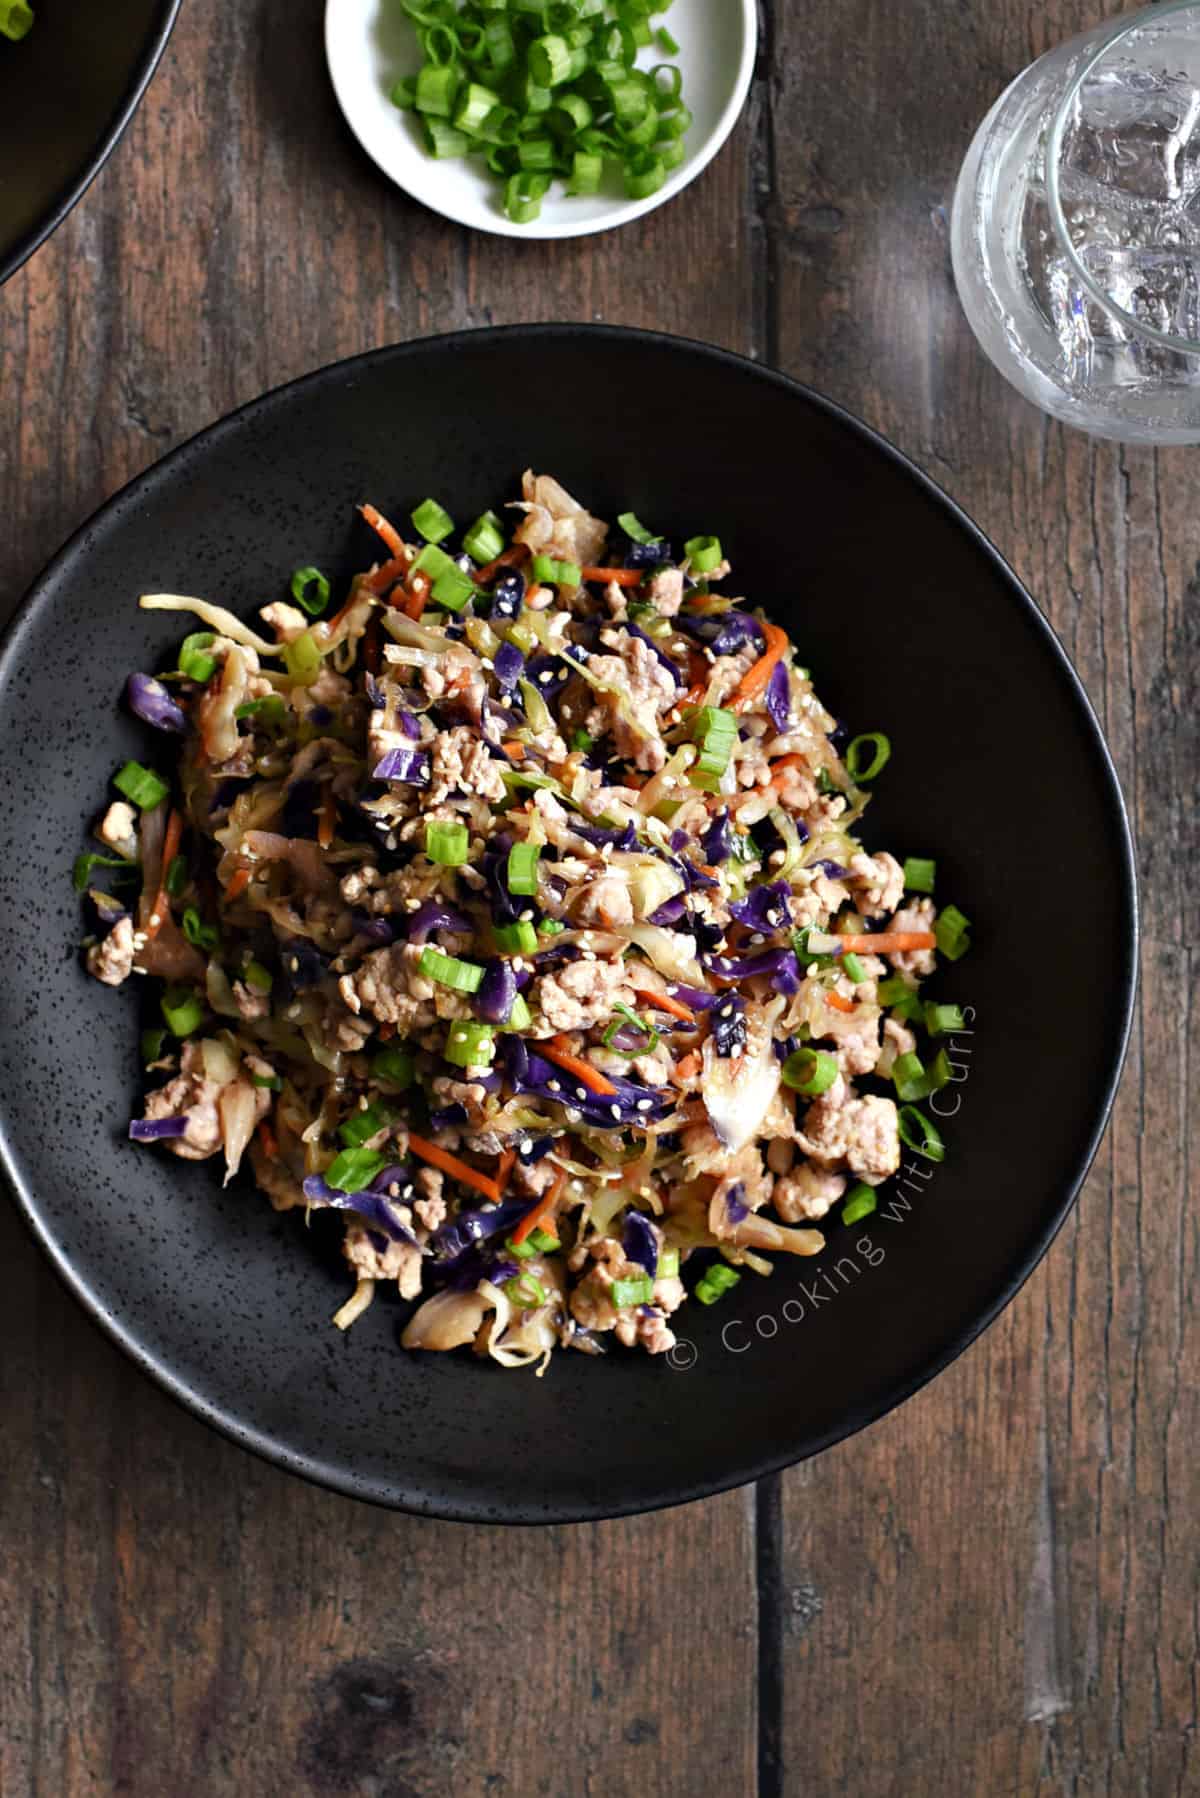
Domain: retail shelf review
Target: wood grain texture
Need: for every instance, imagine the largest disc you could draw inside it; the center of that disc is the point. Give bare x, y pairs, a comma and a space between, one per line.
998, 1584
995, 1590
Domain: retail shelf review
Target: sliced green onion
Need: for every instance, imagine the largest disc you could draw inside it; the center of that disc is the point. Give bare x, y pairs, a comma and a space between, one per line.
443, 141
941, 1020
523, 193
581, 739
536, 153
485, 539
644, 176
153, 1043
716, 732
919, 1134
635, 530
860, 1203
81, 873
810, 1071
477, 102
666, 42
637, 1290
404, 93
810, 958
569, 114
550, 60
270, 710
446, 843
360, 1126
668, 1265
272, 1081
16, 19
523, 868
858, 766
519, 1017
302, 659
198, 933
448, 970
432, 522
258, 978
543, 1242
909, 1077
525, 1290
516, 939
193, 662
544, 568
393, 1065
520, 1251
145, 788
310, 589
719, 1279
452, 589
586, 170
470, 1045
953, 933
854, 969
570, 574
670, 152
498, 42
435, 562
703, 553
437, 85
550, 927
183, 1010
919, 874
624, 1018
354, 1169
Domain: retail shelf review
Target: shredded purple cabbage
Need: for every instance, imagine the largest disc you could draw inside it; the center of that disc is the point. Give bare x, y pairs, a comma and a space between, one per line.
694, 997
736, 1207
374, 692
157, 1129
670, 912
509, 666
729, 1026
408, 765
622, 837
834, 870
640, 1242
631, 1103
449, 1117
508, 594
717, 840
745, 967
376, 930
765, 908
153, 704
435, 914
372, 1207
497, 992
779, 698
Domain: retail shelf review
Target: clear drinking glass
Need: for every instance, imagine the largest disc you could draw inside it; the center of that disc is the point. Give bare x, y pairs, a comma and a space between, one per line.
1076, 229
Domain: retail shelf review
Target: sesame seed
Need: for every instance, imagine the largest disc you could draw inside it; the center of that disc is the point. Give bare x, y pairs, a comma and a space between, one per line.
572, 1116
645, 1105
390, 839
758, 938
524, 1150
779, 856
581, 1092
545, 677
294, 964
773, 917
553, 1086
156, 919
589, 955
412, 904
527, 916
615, 1112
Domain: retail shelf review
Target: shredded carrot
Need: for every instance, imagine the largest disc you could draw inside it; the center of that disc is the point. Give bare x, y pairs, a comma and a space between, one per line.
162, 899
507, 1162
840, 1003
692, 697
624, 577
415, 594
788, 761
327, 821
583, 1071
239, 882
664, 1002
514, 751
267, 1141
450, 1164
544, 1206
889, 942
387, 574
382, 528
755, 679
686, 1070
508, 558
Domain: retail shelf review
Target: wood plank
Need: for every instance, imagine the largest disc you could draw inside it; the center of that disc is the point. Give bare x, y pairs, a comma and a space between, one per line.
998, 1584
179, 1617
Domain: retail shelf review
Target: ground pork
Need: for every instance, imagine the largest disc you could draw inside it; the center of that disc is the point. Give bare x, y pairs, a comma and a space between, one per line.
579, 995
390, 987
399, 1261
118, 829
192, 1095
251, 1005
288, 622
880, 883
111, 960
606, 901
664, 590
460, 763
643, 688
807, 1192
918, 916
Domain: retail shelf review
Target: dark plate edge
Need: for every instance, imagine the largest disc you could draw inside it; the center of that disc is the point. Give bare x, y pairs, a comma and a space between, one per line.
69, 197
460, 1511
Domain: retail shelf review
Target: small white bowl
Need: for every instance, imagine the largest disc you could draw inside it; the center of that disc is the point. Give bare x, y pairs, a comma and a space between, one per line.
371, 44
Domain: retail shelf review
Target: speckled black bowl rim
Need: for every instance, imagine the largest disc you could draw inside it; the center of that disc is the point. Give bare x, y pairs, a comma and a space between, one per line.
68, 197
340, 1478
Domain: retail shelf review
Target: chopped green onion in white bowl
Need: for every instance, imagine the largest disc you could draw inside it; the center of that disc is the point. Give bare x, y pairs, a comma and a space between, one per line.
372, 45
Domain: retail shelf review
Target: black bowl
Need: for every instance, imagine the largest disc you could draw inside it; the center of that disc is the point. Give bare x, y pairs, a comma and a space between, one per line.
67, 91
912, 625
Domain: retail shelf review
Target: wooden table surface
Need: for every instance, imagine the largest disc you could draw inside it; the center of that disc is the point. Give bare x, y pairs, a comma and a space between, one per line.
992, 1591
